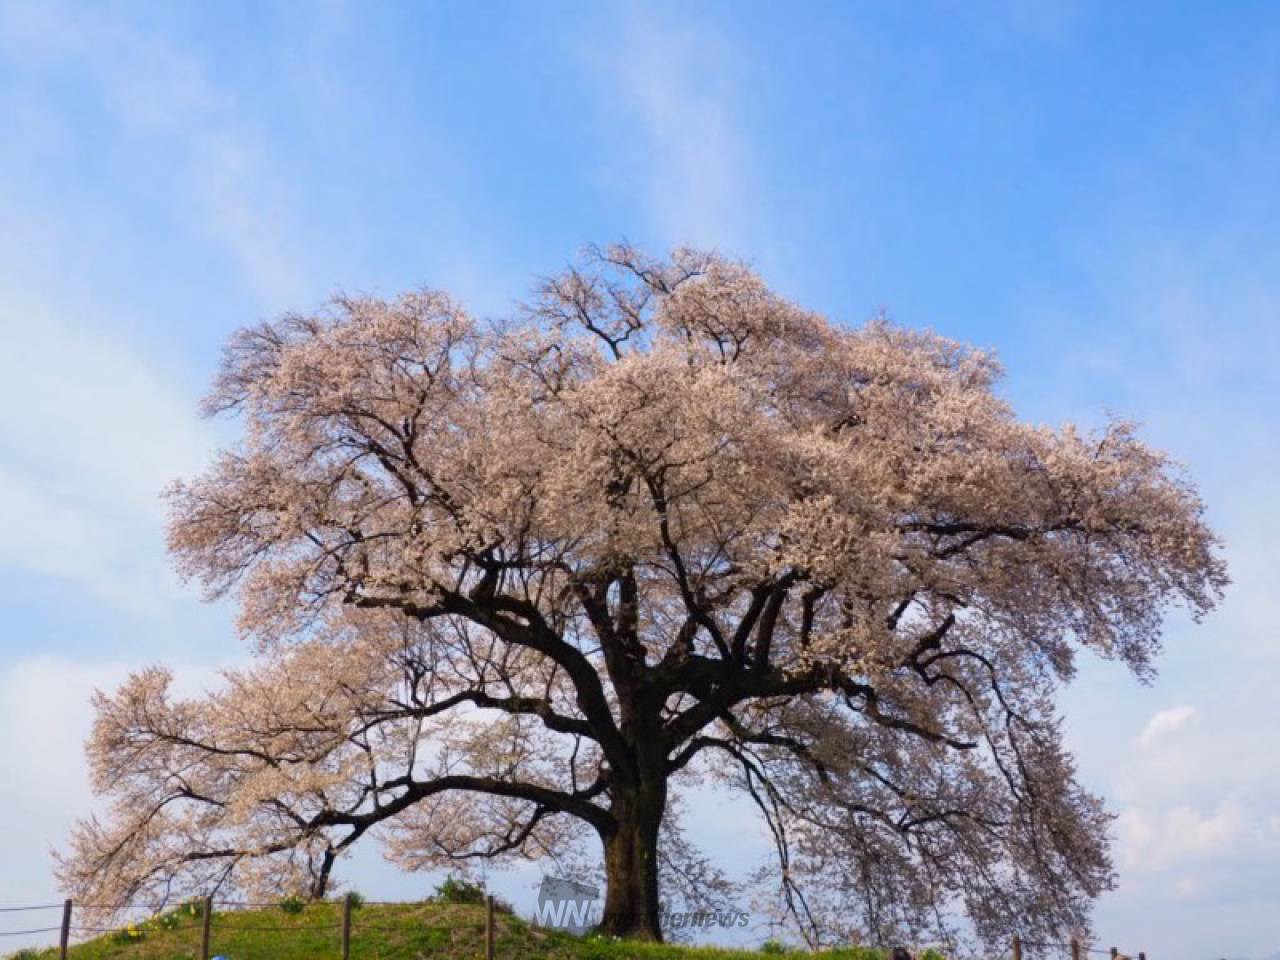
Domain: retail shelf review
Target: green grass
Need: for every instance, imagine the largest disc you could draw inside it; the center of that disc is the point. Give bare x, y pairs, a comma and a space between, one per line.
427, 931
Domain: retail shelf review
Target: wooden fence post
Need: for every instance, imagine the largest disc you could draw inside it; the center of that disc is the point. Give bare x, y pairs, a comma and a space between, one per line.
1017, 948
1075, 948
346, 927
64, 939
206, 922
488, 926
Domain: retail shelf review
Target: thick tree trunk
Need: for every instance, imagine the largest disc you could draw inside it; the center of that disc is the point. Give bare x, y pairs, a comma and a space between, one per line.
631, 865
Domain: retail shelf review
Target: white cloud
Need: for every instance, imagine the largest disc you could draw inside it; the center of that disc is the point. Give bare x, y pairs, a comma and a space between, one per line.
90, 433
674, 76
91, 427
1166, 723
45, 714
1188, 888
45, 717
1153, 840
161, 93
1187, 343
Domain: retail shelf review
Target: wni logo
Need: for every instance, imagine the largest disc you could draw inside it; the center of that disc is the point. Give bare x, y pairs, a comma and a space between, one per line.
567, 905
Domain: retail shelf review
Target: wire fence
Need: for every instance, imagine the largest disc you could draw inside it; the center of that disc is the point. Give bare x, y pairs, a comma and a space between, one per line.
1075, 949
210, 919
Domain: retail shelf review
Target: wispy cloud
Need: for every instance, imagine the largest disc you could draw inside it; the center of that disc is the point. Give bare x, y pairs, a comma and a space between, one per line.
1155, 841
1165, 724
90, 433
672, 81
92, 426
45, 717
162, 94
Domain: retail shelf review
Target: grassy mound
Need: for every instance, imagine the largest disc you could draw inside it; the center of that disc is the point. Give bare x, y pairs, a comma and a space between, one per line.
427, 931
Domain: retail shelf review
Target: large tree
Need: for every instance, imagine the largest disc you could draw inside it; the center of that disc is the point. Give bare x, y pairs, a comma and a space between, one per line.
515, 582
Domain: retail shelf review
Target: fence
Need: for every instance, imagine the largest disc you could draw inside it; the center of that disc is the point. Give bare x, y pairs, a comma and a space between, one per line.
346, 927
1077, 948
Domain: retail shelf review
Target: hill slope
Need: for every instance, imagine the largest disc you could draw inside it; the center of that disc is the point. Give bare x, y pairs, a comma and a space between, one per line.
425, 931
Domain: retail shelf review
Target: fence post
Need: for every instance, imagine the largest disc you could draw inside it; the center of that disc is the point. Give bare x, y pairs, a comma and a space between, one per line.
1017, 948
1114, 953
64, 939
488, 926
206, 921
1075, 948
346, 927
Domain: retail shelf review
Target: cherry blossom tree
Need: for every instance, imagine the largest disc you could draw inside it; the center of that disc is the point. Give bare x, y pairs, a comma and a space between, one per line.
518, 583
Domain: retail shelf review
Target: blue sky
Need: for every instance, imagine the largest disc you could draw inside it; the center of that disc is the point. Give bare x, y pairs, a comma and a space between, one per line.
1093, 190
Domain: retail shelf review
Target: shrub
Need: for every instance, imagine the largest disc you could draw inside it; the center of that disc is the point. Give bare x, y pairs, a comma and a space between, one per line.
459, 890
293, 904
355, 898
772, 947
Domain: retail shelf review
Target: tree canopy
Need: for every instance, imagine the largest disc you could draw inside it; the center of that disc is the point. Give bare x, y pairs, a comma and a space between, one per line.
520, 582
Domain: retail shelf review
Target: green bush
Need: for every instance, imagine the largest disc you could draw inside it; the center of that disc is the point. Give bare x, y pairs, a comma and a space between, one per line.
355, 898
293, 904
772, 946
459, 890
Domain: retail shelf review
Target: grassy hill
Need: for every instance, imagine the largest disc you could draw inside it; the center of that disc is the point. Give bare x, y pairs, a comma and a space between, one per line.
383, 932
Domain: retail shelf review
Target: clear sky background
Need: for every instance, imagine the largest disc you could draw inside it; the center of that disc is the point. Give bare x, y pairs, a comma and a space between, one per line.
1093, 190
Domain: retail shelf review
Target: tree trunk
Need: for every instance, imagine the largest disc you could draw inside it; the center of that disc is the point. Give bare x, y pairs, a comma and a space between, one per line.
631, 865
320, 883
